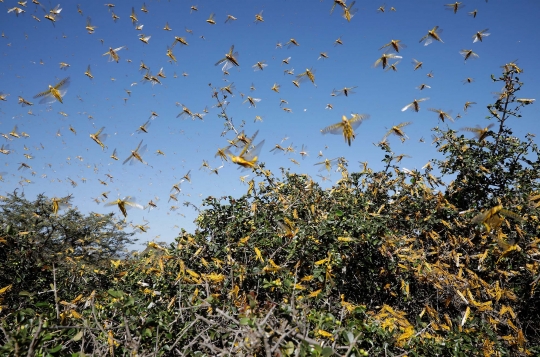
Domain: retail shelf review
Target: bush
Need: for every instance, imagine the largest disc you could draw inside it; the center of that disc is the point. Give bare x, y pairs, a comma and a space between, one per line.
395, 262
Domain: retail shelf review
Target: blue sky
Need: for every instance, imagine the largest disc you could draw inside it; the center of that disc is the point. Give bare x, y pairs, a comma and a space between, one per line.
92, 104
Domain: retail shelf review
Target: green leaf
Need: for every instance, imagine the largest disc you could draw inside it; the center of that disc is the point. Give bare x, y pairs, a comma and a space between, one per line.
28, 311
78, 336
288, 349
348, 336
55, 349
130, 302
115, 293
327, 351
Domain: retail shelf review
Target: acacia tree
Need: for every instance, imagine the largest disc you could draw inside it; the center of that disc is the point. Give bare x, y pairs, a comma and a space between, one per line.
36, 239
495, 164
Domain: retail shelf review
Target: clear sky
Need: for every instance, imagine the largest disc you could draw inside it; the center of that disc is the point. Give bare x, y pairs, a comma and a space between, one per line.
31, 52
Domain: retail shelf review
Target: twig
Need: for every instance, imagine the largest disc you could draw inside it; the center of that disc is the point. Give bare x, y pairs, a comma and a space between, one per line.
281, 338
157, 340
34, 339
221, 105
233, 343
183, 331
128, 333
70, 327
352, 344
305, 339
421, 331
195, 338
402, 354
95, 319
293, 296
55, 294
207, 343
5, 333
224, 314
265, 320
205, 320
267, 346
130, 341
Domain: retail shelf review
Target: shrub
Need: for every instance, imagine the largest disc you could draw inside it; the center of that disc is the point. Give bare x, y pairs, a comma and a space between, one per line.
395, 262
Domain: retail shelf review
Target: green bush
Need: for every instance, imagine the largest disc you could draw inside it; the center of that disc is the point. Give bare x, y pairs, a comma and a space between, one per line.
394, 262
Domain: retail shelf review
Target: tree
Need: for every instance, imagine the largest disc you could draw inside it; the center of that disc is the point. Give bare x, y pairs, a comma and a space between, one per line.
493, 165
41, 242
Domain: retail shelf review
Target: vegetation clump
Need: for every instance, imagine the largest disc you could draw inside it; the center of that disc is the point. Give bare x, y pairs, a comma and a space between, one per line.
395, 262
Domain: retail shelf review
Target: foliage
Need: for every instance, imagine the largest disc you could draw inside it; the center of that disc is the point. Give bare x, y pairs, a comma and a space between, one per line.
395, 262
41, 244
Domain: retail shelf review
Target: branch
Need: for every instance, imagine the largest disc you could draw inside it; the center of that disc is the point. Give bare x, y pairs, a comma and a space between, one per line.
34, 339
282, 337
184, 331
224, 314
224, 115
305, 339
70, 327
352, 344
55, 294
157, 340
